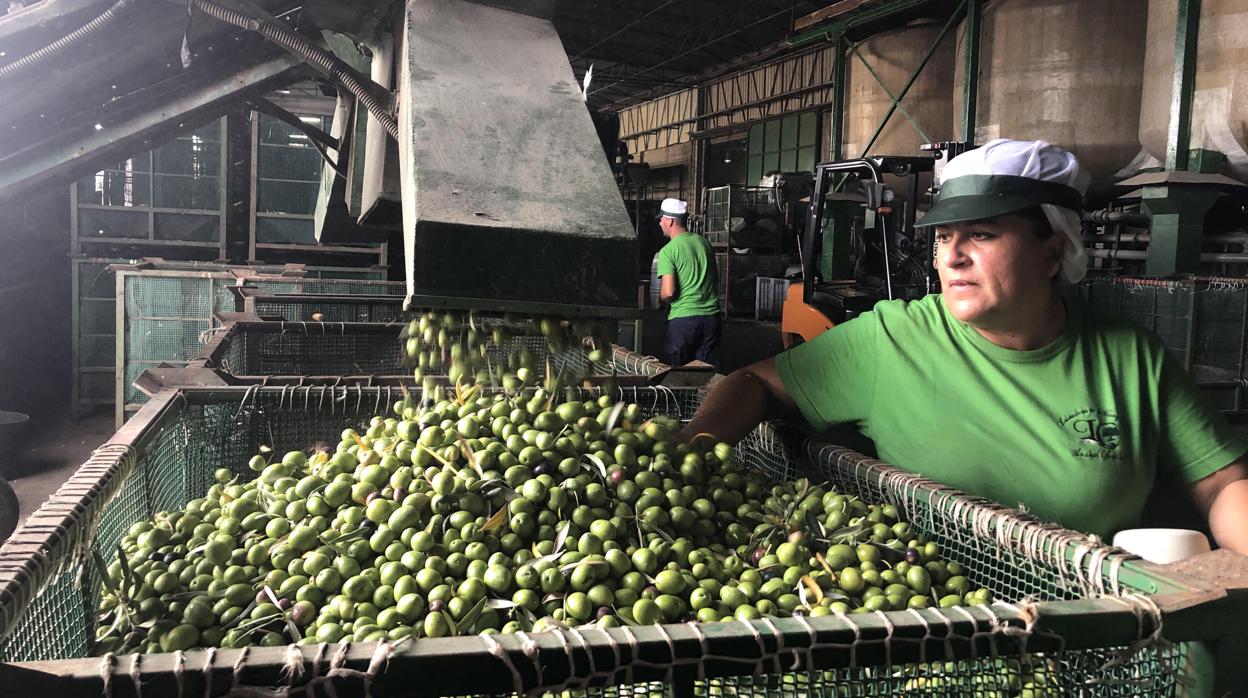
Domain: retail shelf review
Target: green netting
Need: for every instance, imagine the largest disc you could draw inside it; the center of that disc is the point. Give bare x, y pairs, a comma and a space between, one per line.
327, 349
1202, 321
167, 312
174, 457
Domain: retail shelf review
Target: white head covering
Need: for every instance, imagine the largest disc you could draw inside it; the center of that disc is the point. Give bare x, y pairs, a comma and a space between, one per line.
673, 208
1044, 162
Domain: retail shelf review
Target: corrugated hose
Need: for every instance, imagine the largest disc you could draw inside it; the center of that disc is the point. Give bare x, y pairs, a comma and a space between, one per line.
64, 42
320, 58
278, 33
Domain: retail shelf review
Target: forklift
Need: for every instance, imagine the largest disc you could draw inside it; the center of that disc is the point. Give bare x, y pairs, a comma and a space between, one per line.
860, 245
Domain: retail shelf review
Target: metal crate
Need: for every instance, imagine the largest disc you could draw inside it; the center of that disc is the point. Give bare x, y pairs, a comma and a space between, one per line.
769, 295
248, 349
161, 314
1082, 618
1203, 322
746, 205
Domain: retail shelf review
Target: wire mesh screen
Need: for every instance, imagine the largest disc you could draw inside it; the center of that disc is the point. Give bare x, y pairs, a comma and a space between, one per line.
167, 313
329, 348
173, 459
1202, 321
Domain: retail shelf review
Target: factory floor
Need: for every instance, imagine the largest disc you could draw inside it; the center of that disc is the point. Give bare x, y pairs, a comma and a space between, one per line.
58, 445
53, 451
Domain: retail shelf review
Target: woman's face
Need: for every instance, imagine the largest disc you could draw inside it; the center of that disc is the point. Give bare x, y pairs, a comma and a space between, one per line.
996, 272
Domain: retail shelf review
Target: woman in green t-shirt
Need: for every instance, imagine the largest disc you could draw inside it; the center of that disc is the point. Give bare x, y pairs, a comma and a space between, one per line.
1002, 385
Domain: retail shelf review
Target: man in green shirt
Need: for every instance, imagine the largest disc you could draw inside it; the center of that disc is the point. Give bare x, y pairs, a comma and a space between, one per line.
1002, 385
688, 276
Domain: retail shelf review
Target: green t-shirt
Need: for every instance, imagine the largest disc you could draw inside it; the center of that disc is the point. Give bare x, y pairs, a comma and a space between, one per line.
1074, 432
690, 258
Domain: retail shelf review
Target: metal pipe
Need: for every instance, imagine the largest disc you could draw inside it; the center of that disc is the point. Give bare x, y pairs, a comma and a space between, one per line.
1127, 217
970, 77
837, 149
1138, 255
1231, 239
1186, 29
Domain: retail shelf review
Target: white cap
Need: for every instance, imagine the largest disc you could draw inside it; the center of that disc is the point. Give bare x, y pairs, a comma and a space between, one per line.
673, 208
1040, 161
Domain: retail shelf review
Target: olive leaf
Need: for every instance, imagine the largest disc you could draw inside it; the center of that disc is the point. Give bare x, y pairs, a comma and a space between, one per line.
102, 568
471, 457
525, 617
626, 618
465, 624
614, 416
241, 617
571, 566
501, 604
562, 538
496, 521
824, 563
602, 466
813, 586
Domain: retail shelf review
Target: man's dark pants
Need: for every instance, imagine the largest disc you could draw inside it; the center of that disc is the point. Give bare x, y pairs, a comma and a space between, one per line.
690, 338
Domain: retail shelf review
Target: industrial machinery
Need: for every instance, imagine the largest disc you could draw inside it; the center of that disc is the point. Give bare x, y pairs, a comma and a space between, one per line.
513, 213
860, 245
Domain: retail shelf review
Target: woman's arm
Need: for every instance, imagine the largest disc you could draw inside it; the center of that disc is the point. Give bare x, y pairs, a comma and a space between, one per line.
1223, 497
740, 402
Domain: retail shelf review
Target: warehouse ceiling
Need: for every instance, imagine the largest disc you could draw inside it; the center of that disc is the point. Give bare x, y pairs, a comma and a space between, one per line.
645, 48
157, 69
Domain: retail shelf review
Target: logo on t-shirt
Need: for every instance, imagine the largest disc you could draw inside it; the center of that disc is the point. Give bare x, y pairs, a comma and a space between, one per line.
1096, 432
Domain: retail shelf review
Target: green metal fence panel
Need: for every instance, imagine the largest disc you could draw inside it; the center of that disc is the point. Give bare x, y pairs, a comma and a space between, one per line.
1203, 322
1070, 612
166, 313
92, 334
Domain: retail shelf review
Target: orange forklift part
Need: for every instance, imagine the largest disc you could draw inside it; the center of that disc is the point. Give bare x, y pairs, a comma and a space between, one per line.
799, 321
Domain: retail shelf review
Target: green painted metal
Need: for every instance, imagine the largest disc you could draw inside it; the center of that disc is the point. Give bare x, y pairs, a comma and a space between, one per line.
1186, 33
75, 151
900, 107
836, 29
970, 84
1177, 213
931, 51
838, 102
1205, 161
836, 262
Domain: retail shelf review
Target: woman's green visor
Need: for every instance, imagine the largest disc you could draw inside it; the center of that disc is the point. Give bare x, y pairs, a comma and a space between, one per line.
978, 197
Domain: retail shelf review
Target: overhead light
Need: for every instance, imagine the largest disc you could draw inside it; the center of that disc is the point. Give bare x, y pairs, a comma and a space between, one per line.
300, 136
99, 127
727, 159
310, 119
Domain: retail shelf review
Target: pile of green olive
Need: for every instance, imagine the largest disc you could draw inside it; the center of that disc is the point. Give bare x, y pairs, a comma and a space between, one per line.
472, 513
491, 350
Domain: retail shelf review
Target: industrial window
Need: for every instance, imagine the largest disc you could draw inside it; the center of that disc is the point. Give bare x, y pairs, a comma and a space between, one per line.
787, 144
288, 177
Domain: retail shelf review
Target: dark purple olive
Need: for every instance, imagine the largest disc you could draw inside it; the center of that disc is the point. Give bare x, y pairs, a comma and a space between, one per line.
261, 597
371, 496
427, 402
773, 572
368, 525
156, 556
436, 605
603, 613
541, 469
169, 557
912, 556
423, 425
758, 554
399, 494
283, 603
617, 476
